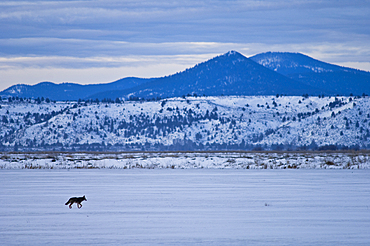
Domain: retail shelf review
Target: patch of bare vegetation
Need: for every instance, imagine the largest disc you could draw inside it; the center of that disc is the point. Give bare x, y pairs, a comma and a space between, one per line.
177, 160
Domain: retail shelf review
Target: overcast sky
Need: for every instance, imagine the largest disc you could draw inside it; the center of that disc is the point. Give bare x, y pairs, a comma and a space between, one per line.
91, 41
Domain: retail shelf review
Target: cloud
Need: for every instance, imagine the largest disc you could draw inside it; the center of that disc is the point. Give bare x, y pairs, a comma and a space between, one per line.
93, 48
113, 35
96, 62
66, 53
200, 21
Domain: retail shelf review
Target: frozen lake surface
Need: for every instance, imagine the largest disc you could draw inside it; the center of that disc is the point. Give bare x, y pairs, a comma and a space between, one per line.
185, 207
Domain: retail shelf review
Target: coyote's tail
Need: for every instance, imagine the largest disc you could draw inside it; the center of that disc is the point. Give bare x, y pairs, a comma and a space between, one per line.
67, 202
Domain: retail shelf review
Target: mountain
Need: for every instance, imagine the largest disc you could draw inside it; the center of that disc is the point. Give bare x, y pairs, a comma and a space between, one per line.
315, 73
68, 91
228, 74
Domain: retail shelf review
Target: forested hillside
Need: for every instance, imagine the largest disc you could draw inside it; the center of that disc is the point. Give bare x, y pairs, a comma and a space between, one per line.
187, 123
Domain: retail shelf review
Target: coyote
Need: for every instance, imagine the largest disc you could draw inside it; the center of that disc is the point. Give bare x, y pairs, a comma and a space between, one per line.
76, 200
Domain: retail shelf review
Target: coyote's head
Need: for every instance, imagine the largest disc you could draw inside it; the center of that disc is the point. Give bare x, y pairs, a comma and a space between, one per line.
84, 198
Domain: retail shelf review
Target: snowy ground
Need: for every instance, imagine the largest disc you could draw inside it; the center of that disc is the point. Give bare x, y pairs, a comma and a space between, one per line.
227, 122
187, 160
185, 207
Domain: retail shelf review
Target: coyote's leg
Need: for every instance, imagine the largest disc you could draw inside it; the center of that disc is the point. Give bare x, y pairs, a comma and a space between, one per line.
79, 205
70, 205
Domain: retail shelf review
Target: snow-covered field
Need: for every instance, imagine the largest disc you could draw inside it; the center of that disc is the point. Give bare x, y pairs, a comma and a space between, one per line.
185, 207
187, 160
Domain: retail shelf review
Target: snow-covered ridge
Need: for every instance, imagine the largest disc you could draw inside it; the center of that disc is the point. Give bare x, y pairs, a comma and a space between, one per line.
186, 160
189, 123
275, 63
